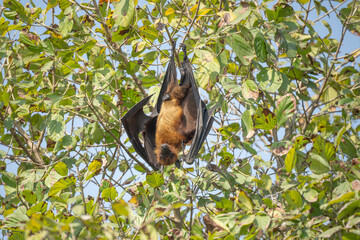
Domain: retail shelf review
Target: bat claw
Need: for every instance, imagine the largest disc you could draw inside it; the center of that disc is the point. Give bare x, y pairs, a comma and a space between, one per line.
166, 97
178, 164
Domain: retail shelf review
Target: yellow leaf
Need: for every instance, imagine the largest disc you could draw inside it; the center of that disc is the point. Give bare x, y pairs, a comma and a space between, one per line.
203, 12
169, 11
121, 208
193, 8
133, 200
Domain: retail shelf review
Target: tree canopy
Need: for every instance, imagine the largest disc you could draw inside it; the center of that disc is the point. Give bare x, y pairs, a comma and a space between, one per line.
282, 158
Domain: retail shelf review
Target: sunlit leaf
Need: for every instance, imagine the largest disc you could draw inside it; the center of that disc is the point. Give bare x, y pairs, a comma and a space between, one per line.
124, 12
264, 119
61, 168
155, 179
29, 196
121, 208
290, 160
343, 198
244, 201
56, 127
269, 79
63, 183
66, 26
293, 198
109, 194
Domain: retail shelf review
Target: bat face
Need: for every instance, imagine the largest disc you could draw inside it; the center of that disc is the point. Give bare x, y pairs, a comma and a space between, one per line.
179, 118
166, 154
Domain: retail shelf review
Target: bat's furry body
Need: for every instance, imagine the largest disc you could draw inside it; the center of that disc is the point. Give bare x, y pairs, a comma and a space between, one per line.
179, 118
170, 130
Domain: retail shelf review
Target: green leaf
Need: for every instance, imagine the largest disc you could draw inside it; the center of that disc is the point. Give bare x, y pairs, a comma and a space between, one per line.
56, 127
293, 198
139, 168
124, 13
244, 201
66, 26
29, 196
265, 182
248, 148
250, 90
348, 209
341, 133
85, 48
247, 123
343, 198
260, 47
230, 129
303, 1
93, 169
241, 48
16, 219
290, 160
62, 184
262, 221
264, 119
318, 164
285, 107
330, 232
247, 220
109, 194
69, 142
155, 179
311, 195
269, 79
9, 179
284, 10
324, 148
61, 169
26, 40
209, 68
348, 148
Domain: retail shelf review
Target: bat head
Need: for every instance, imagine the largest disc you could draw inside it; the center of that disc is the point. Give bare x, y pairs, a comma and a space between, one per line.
167, 155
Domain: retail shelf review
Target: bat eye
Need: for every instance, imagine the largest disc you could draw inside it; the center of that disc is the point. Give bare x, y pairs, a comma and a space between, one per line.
166, 97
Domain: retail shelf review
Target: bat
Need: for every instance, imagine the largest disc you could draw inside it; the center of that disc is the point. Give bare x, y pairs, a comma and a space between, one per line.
179, 118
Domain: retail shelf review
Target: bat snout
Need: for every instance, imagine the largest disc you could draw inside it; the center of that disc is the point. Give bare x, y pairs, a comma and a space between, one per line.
167, 156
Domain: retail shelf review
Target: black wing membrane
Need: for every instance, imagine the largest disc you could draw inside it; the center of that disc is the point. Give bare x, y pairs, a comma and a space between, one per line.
203, 117
134, 122
170, 78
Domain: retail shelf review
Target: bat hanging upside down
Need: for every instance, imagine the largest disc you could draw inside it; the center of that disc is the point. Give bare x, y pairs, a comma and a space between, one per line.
180, 117
170, 130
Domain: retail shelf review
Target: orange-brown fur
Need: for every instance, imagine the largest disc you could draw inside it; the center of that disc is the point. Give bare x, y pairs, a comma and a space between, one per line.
169, 125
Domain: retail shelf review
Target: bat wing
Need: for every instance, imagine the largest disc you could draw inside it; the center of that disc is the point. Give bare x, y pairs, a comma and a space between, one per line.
149, 143
169, 79
203, 126
134, 122
198, 119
